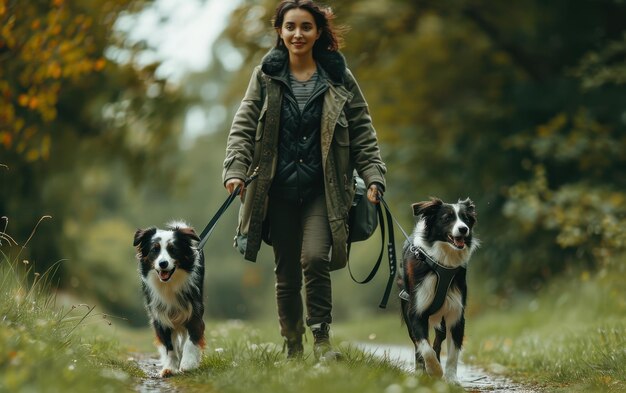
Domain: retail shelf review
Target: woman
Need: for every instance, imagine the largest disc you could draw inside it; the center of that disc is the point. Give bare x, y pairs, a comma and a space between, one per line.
302, 127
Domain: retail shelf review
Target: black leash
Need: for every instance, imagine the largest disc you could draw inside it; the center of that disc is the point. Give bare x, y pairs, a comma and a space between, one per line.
204, 236
372, 274
391, 251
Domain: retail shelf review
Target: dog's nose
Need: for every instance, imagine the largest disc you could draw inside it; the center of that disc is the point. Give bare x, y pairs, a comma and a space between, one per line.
163, 264
463, 230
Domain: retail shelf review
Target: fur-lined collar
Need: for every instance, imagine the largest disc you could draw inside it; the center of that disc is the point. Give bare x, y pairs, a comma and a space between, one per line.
275, 62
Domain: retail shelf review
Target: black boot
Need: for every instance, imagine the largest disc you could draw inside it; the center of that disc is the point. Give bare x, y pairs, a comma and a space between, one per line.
294, 347
322, 349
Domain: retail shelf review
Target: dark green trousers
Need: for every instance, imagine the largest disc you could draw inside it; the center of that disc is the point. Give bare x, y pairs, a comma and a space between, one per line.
302, 244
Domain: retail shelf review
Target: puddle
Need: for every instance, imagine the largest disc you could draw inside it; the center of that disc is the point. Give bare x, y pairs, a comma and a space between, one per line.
152, 383
472, 379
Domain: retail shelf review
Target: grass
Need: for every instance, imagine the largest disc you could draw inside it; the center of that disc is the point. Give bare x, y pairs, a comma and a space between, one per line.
571, 337
240, 359
45, 348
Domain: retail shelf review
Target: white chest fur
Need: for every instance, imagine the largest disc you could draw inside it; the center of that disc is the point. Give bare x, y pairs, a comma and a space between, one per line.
167, 305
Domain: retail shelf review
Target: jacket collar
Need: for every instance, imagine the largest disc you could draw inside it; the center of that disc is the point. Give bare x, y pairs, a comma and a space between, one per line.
332, 64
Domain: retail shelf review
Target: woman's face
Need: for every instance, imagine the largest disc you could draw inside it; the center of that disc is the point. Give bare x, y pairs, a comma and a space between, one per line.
299, 32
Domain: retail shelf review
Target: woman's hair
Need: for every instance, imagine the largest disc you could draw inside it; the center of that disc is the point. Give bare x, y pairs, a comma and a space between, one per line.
331, 37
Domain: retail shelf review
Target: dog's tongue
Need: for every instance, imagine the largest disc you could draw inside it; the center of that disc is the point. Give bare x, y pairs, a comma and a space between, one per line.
459, 242
164, 275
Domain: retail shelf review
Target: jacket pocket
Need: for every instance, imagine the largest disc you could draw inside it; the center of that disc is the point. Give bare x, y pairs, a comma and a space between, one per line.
341, 134
261, 123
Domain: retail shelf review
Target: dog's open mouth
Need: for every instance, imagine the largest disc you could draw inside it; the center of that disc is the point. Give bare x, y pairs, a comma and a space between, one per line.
457, 241
165, 275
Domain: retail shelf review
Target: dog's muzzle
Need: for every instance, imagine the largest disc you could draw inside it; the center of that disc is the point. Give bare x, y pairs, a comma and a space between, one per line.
165, 275
457, 241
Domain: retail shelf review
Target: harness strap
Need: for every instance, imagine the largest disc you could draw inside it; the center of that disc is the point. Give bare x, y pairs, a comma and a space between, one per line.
445, 275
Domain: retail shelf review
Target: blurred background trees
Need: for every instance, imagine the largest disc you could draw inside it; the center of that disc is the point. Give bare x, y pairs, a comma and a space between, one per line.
517, 105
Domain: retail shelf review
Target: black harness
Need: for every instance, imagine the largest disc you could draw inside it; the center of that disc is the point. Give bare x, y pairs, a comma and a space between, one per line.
445, 275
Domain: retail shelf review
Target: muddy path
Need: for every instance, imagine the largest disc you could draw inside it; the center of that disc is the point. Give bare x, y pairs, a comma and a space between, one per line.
472, 379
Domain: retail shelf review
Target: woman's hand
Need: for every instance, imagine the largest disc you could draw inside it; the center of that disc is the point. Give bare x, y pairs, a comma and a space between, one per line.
232, 184
373, 192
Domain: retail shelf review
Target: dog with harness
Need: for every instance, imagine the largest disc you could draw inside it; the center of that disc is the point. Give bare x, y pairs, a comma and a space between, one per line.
433, 287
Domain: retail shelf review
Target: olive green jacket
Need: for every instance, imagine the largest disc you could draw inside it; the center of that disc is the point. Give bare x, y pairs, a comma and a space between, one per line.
348, 142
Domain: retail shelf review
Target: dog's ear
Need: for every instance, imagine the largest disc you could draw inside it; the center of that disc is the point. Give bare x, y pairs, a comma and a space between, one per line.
425, 207
469, 206
142, 234
189, 232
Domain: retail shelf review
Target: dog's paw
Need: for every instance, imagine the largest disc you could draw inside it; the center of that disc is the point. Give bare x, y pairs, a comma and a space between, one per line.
427, 357
191, 357
433, 367
188, 365
166, 373
452, 379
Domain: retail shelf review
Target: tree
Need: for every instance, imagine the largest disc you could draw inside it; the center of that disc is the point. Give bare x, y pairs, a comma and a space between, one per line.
72, 116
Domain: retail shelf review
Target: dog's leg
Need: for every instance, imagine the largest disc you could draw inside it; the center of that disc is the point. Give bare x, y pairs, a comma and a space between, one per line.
192, 351
440, 336
404, 305
419, 361
454, 348
424, 354
169, 357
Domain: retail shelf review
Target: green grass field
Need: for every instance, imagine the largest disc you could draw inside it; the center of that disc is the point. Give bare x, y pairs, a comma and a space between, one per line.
571, 337
568, 338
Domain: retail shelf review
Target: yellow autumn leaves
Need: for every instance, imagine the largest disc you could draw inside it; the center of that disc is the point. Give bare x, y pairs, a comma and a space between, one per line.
44, 48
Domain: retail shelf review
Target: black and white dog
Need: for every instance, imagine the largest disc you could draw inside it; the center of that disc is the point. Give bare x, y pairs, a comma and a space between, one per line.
172, 276
433, 286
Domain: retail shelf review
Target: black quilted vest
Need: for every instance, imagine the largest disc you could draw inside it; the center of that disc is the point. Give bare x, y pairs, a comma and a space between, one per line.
299, 174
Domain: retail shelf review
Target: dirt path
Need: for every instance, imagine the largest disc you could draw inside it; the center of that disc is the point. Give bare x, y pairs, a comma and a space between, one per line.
472, 378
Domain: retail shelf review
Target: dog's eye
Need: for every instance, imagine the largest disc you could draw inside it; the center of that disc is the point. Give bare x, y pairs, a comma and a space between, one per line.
155, 247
